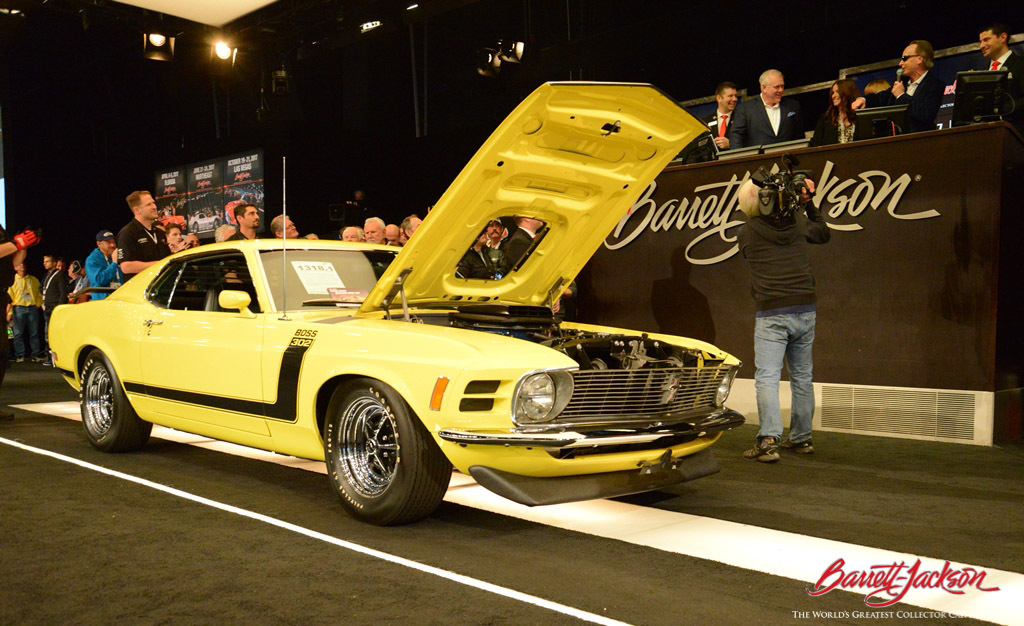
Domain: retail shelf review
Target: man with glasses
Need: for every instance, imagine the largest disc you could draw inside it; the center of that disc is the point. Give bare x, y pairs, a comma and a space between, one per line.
282, 227
919, 88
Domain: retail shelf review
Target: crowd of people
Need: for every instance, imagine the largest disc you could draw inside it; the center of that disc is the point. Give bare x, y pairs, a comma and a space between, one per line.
771, 117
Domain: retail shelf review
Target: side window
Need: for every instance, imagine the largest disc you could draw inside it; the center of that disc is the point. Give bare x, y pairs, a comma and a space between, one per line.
163, 287
202, 279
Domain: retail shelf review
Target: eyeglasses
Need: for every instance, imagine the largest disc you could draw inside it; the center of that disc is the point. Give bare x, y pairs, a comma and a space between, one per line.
909, 56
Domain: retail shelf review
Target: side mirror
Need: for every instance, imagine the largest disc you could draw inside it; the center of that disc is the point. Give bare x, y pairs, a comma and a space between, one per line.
231, 300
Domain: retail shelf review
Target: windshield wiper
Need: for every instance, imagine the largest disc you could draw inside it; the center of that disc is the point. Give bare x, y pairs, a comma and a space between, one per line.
329, 302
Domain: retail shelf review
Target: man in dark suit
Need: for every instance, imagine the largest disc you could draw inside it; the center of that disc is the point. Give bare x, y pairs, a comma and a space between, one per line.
767, 119
993, 45
922, 92
727, 98
520, 241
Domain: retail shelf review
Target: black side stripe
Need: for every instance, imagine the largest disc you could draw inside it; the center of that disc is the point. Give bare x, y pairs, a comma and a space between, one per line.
283, 409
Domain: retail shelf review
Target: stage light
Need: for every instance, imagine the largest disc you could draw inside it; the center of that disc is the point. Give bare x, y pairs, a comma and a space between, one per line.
223, 50
368, 26
157, 46
488, 62
411, 7
511, 51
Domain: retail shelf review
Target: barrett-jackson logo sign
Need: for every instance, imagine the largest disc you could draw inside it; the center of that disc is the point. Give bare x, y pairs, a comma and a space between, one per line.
709, 212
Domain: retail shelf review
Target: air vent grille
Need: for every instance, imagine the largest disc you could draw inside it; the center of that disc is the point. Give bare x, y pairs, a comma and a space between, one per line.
947, 415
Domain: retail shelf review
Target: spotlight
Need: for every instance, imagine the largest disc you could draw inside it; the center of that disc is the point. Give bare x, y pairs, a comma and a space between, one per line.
366, 27
511, 51
488, 62
224, 51
157, 46
411, 7
222, 56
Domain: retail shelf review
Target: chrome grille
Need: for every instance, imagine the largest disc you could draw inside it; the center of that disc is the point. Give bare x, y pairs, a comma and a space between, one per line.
631, 394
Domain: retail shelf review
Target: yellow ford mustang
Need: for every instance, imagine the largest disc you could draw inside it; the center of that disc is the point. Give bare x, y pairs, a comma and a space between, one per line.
393, 367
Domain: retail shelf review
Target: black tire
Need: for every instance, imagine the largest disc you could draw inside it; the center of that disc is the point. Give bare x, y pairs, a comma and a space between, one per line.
110, 422
381, 460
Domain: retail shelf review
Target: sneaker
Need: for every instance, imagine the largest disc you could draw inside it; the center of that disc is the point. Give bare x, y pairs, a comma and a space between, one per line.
20, 359
47, 363
39, 359
765, 451
804, 447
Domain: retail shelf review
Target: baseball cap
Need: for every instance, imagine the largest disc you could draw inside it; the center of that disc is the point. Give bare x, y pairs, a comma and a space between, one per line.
105, 235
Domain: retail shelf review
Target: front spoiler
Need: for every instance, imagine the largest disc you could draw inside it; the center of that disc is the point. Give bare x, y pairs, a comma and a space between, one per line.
718, 421
534, 491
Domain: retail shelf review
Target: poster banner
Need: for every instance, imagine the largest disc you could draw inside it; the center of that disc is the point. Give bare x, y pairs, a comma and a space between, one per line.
205, 208
243, 184
170, 195
201, 197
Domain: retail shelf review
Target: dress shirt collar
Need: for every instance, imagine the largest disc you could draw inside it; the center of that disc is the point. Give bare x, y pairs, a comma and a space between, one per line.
1002, 59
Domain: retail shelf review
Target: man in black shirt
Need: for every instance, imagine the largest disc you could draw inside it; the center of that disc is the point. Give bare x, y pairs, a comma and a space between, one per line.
15, 249
248, 218
55, 293
140, 244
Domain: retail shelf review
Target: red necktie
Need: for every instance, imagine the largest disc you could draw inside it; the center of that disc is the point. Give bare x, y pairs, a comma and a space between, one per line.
995, 65
721, 126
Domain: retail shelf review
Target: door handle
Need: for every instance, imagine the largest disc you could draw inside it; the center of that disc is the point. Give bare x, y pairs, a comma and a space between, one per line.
149, 324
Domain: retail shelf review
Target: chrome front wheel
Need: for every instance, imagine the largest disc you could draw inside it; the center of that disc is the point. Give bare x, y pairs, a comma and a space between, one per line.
369, 446
384, 465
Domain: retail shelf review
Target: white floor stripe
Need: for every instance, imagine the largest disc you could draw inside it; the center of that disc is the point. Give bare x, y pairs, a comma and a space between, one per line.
341, 543
779, 553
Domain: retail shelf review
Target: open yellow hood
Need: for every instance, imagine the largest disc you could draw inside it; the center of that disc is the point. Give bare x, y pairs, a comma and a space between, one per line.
575, 155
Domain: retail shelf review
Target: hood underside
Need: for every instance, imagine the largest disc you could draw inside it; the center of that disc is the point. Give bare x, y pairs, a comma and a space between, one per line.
573, 155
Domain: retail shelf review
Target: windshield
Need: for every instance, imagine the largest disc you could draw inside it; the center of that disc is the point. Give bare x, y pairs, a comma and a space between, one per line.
316, 279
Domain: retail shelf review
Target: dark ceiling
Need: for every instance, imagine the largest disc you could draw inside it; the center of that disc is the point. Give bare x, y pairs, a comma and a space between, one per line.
395, 111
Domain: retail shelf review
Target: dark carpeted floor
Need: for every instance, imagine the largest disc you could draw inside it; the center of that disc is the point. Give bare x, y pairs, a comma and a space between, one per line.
80, 546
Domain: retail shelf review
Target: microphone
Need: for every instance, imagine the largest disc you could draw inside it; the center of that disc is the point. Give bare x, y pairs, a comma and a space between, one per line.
899, 74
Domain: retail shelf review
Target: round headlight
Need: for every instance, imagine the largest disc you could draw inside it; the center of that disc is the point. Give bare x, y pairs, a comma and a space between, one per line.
536, 398
725, 387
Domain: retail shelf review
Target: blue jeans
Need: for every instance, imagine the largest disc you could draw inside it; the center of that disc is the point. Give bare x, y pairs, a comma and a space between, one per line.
26, 327
784, 338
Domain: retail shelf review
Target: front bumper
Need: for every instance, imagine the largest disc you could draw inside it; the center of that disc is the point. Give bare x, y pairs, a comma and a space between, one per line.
718, 421
535, 491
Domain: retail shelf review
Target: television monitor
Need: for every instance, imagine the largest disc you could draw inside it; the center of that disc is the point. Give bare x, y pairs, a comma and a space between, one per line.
980, 97
784, 146
738, 153
884, 121
700, 150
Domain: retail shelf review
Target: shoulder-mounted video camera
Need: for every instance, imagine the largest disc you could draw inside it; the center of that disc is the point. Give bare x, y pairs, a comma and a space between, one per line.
779, 194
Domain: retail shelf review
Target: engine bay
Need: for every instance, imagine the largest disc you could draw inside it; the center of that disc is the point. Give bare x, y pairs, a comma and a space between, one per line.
591, 350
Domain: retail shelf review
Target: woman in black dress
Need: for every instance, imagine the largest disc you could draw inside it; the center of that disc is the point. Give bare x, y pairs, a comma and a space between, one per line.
839, 123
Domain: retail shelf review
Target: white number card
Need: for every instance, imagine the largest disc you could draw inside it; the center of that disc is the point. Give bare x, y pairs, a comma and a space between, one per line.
317, 276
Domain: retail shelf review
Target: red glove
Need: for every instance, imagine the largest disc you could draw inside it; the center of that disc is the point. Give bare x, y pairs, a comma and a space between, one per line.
26, 239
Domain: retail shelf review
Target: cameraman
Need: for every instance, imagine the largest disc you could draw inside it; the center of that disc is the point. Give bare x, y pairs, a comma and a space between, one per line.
774, 243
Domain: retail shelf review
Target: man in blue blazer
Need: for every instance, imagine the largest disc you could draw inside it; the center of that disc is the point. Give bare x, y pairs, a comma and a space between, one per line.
922, 92
767, 119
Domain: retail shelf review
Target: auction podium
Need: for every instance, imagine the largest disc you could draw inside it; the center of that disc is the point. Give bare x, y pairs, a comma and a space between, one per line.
919, 317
